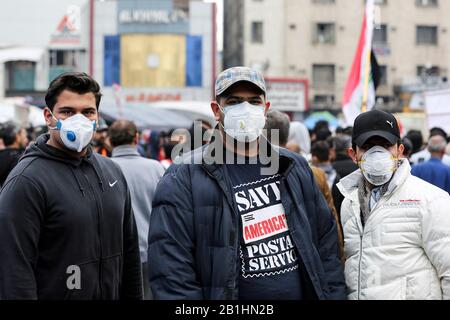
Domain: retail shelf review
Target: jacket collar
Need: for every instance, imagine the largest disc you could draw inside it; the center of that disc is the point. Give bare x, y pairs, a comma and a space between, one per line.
125, 150
349, 185
210, 163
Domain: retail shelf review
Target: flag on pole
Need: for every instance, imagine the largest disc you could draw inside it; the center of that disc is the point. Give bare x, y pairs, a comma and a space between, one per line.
359, 93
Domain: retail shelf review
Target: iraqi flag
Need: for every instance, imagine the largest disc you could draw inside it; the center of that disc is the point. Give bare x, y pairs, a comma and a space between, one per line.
364, 76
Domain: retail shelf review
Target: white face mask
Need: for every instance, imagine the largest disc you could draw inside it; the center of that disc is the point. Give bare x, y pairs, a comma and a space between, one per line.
378, 165
76, 132
244, 122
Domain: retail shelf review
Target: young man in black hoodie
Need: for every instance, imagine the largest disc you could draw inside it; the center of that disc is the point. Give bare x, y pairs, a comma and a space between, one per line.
67, 229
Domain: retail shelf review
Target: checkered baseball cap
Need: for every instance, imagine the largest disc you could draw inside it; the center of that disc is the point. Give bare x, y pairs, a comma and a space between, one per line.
230, 76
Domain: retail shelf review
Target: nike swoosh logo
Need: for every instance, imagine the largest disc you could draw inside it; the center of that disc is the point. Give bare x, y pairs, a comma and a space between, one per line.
112, 184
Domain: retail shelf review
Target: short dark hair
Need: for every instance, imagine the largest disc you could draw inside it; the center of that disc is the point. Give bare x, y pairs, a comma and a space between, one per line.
436, 131
415, 136
122, 132
9, 131
342, 143
321, 150
323, 134
78, 82
277, 120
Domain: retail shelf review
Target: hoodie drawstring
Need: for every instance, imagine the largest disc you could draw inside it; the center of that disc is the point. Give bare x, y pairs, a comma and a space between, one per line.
78, 181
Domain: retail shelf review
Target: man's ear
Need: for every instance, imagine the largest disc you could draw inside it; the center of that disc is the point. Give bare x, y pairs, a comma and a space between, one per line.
352, 154
48, 116
401, 150
267, 107
216, 110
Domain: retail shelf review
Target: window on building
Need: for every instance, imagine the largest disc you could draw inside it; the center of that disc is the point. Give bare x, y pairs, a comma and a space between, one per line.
423, 71
63, 61
324, 33
324, 1
427, 35
257, 32
323, 75
380, 35
427, 3
63, 58
323, 101
20, 75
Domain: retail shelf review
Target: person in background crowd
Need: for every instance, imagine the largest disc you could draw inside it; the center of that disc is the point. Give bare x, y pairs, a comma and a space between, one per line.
416, 138
407, 152
101, 142
433, 170
67, 229
320, 132
299, 136
15, 141
203, 130
424, 155
167, 141
343, 164
142, 176
320, 153
277, 120
203, 242
396, 226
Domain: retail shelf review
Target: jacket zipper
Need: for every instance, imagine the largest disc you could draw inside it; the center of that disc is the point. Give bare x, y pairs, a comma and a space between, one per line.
99, 231
361, 236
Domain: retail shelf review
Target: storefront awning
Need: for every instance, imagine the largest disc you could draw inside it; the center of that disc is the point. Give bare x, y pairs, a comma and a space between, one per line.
21, 54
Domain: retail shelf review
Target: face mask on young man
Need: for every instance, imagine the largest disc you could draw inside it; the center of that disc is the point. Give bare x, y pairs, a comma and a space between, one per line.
76, 132
378, 165
244, 122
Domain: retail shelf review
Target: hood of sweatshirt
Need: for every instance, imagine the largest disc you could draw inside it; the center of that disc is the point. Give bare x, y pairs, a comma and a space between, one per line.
43, 150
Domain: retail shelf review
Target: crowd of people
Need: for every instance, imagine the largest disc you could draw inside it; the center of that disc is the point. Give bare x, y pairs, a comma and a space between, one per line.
256, 207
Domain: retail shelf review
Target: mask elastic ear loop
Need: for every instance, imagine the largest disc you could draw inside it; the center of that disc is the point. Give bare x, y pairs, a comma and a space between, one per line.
54, 128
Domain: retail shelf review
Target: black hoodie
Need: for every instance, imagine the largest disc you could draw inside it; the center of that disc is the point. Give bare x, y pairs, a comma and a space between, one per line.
66, 219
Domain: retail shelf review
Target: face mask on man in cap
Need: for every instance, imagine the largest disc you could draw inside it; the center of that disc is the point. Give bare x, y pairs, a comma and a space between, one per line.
240, 95
375, 146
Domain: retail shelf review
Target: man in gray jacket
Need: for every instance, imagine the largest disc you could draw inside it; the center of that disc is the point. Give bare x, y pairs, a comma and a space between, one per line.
142, 176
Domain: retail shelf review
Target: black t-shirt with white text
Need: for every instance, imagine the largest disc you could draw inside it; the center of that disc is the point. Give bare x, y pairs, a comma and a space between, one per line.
268, 257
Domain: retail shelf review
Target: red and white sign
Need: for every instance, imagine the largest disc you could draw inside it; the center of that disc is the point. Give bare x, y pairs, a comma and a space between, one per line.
68, 29
263, 223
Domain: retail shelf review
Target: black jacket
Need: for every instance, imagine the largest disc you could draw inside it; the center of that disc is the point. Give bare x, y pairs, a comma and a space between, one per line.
343, 165
57, 212
194, 239
8, 160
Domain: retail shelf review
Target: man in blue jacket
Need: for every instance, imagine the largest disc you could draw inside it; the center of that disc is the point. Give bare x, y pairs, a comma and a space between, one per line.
239, 218
434, 170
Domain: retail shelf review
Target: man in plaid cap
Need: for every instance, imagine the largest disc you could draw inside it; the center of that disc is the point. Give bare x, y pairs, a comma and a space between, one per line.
227, 229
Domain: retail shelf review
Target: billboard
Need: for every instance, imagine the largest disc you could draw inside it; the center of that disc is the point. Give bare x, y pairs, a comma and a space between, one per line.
287, 94
156, 16
153, 60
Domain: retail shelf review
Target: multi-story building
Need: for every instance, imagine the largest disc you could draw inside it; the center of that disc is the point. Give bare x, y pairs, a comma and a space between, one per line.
317, 39
151, 49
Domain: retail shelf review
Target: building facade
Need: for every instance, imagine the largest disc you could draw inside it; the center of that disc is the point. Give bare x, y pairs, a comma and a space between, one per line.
138, 50
316, 40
